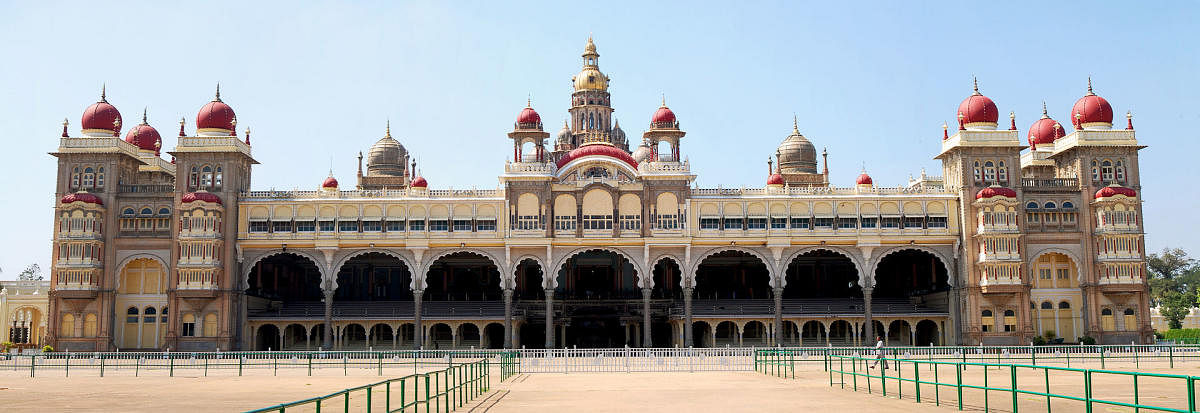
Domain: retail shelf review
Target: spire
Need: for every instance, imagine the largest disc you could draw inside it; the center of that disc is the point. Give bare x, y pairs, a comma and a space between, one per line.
181, 122
770, 166
795, 124
1045, 114
1090, 93
103, 97
65, 123
664, 100
247, 136
616, 124
1012, 118
1128, 119
388, 130
825, 161
945, 131
218, 97
528, 101
144, 116
975, 80
960, 121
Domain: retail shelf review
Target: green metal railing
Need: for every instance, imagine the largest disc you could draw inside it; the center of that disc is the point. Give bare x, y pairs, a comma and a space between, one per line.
858, 373
436, 391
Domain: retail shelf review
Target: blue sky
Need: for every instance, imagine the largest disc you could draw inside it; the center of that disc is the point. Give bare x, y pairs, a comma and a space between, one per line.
872, 82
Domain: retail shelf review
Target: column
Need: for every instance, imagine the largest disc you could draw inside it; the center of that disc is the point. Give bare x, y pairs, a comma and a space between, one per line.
646, 340
869, 325
418, 328
687, 316
328, 320
778, 323
912, 333
549, 318
508, 325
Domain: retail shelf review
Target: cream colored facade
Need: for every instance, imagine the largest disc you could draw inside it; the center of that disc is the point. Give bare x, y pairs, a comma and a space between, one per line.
23, 309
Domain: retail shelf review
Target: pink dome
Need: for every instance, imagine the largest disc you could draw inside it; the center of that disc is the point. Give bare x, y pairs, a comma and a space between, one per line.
775, 179
200, 196
1113, 190
81, 197
145, 137
993, 191
597, 149
864, 179
1091, 109
216, 115
330, 182
1045, 131
102, 116
529, 116
419, 183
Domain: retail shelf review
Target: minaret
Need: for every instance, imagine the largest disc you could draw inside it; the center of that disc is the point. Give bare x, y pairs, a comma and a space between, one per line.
591, 110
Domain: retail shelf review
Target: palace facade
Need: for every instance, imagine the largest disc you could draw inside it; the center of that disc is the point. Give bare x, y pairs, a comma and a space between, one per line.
591, 240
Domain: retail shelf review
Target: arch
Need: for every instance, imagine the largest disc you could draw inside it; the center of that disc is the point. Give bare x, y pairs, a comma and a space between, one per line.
337, 266
1035, 256
587, 160
813, 333
629, 204
690, 279
248, 266
489, 281
597, 202
653, 268
945, 261
137, 256
433, 258
509, 281
854, 259
552, 275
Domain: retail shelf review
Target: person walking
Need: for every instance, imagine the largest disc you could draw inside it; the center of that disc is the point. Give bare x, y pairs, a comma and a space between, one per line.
879, 354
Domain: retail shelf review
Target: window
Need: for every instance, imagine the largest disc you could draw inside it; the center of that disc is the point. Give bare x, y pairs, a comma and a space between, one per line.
439, 225
259, 226
281, 226
395, 226
978, 177
416, 225
564, 223
305, 226
822, 222
756, 223
800, 223
936, 222
1031, 205
217, 179
989, 171
89, 178
150, 315
891, 222
1130, 320
100, 177
779, 223
914, 222
1003, 172
75, 178
1107, 322
189, 325
1010, 320
1046, 305
1106, 170
372, 226
347, 226
1063, 305
163, 317
847, 223
988, 321
194, 178
733, 223
1095, 172
1068, 205
1064, 274
710, 223
1044, 273
327, 226
463, 225
869, 222
206, 176
597, 222
1050, 205
1120, 172
630, 222
485, 225
210, 325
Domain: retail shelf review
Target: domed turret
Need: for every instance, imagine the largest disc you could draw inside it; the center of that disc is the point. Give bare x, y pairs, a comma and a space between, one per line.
796, 154
330, 182
618, 135
864, 179
775, 180
564, 135
101, 119
994, 191
642, 153
977, 112
216, 118
529, 118
81, 196
1114, 190
420, 182
590, 78
1091, 111
145, 137
1045, 130
387, 156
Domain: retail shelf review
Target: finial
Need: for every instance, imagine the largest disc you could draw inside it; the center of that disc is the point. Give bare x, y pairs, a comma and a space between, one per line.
1128, 118
1012, 118
103, 87
1090, 86
945, 131
218, 97
528, 101
960, 121
1057, 130
182, 121
664, 100
975, 80
1045, 114
65, 123
388, 131
144, 115
795, 124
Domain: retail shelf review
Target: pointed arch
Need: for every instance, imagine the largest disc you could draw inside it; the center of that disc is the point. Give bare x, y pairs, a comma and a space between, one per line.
942, 258
695, 264
141, 255
850, 254
1034, 256
337, 266
550, 278
248, 266
419, 277
510, 277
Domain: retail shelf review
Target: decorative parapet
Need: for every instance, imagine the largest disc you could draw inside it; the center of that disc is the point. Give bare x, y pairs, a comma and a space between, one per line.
530, 168
736, 192
212, 144
276, 195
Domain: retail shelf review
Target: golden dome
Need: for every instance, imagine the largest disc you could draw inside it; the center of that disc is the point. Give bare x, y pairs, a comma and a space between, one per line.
590, 78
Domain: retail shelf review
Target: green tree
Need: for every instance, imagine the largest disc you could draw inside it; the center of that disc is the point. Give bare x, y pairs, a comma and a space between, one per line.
1175, 306
1171, 271
31, 273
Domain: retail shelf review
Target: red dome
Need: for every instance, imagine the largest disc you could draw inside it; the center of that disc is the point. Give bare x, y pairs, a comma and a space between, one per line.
663, 115
200, 196
145, 137
419, 183
1108, 191
1091, 109
82, 197
978, 108
216, 115
864, 179
597, 149
775, 179
1045, 131
330, 182
529, 116
103, 116
992, 191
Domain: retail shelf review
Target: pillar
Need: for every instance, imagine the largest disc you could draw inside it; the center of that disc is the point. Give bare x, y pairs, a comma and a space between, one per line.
687, 316
418, 328
549, 318
646, 340
777, 325
870, 326
508, 324
328, 319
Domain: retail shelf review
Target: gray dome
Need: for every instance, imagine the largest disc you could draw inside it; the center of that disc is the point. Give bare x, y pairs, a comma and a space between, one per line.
796, 154
618, 135
386, 158
564, 135
641, 153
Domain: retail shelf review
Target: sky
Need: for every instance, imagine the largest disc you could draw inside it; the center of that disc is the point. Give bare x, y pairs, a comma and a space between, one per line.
317, 81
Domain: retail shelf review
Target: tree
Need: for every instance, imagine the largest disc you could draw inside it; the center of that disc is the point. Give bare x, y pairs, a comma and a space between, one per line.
1175, 306
1171, 271
31, 273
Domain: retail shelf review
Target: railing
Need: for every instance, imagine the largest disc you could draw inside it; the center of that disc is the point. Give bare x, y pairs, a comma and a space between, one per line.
186, 143
440, 390
527, 168
1168, 392
724, 192
1071, 184
373, 194
145, 188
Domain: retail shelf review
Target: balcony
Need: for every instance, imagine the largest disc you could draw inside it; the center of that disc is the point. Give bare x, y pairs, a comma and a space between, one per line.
529, 168
148, 189
1050, 184
212, 144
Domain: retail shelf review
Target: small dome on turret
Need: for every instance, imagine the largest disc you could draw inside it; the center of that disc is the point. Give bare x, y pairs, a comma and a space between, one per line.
796, 154
386, 156
564, 135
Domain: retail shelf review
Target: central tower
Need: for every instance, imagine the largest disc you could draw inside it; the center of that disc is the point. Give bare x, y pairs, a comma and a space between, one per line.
591, 109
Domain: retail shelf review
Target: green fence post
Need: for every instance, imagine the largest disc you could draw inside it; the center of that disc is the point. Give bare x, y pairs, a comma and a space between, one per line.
240, 361
1101, 356
68, 365
101, 364
346, 401
958, 372
1191, 392
917, 380
1033, 355
1012, 369
1171, 355
318, 405
1135, 394
883, 377
937, 386
32, 363
206, 366
1046, 372
310, 364
274, 365
985, 387
387, 404
1087, 389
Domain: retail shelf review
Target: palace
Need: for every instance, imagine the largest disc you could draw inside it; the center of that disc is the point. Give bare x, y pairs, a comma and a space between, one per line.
593, 241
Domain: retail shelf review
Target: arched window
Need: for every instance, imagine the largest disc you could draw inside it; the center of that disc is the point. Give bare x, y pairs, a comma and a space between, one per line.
978, 177
1031, 205
591, 121
1003, 172
206, 177
75, 178
1050, 205
1107, 322
131, 315
988, 321
1010, 320
146, 211
1068, 205
1095, 172
1120, 172
194, 178
989, 171
189, 325
100, 177
218, 178
1130, 320
1106, 170
1047, 306
89, 178
1063, 305
127, 212
163, 317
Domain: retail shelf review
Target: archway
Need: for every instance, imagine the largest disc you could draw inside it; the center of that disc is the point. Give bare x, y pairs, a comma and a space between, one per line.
381, 336
468, 336
316, 335
841, 333
266, 338
732, 274
354, 337
463, 276
913, 275
667, 277
754, 334
597, 275
702, 334
862, 332
440, 337
141, 291
813, 333
821, 274
899, 333
373, 276
283, 279
295, 337
927, 333
528, 277
726, 334
493, 335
